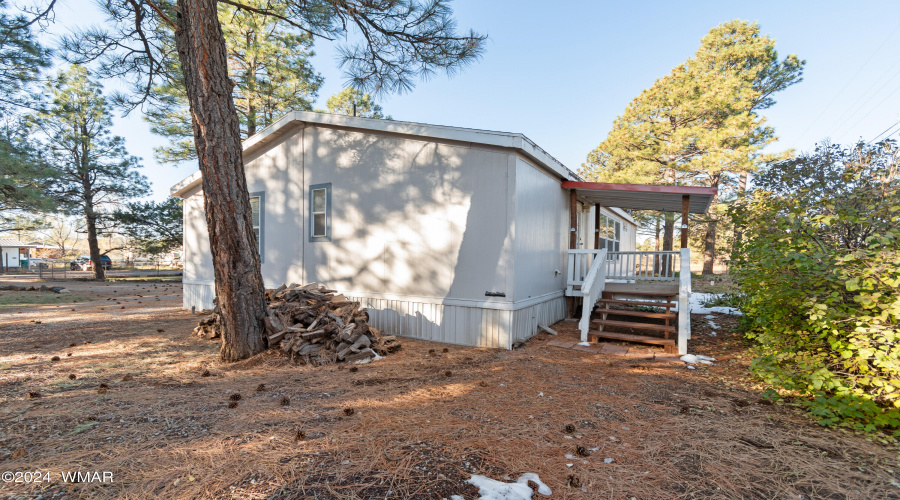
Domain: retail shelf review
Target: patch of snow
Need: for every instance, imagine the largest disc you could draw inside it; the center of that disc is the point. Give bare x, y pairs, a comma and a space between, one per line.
608, 460
586, 344
569, 465
697, 358
491, 489
541, 394
698, 299
691, 367
367, 360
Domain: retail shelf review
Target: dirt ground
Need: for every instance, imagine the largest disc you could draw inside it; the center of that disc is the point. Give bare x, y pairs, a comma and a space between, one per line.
416, 424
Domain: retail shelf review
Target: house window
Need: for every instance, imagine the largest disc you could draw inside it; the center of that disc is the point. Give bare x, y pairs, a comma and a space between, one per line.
610, 233
258, 218
320, 212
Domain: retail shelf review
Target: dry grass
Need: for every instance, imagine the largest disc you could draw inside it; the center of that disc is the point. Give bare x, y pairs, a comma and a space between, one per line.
414, 431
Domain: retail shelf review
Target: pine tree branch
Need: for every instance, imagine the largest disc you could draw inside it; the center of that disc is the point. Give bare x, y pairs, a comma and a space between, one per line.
269, 13
161, 14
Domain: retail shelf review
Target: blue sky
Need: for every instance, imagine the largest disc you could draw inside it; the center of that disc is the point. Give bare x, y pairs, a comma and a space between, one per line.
560, 72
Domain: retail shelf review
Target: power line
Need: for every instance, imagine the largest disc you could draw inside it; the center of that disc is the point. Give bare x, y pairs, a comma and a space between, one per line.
872, 95
877, 106
885, 130
855, 74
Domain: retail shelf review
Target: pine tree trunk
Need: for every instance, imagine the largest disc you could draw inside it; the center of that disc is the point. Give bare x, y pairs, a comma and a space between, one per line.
90, 215
668, 239
742, 189
709, 247
93, 244
217, 137
709, 241
656, 261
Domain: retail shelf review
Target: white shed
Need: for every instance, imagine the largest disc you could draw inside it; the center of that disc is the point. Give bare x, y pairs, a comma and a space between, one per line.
448, 234
13, 252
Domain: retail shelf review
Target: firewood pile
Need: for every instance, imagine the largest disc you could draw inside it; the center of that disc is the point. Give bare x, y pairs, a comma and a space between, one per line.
316, 326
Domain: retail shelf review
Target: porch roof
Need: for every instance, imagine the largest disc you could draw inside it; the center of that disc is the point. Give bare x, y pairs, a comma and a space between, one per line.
643, 196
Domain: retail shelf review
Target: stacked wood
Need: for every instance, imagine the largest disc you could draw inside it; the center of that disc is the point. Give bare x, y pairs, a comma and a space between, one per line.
209, 326
316, 326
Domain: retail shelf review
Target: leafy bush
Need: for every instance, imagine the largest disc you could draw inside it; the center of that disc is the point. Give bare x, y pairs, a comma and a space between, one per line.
819, 263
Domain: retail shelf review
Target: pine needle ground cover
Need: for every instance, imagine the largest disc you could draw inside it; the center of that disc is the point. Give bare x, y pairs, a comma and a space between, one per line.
150, 403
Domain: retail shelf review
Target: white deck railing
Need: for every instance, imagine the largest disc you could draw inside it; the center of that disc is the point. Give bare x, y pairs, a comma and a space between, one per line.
591, 289
579, 264
629, 266
649, 266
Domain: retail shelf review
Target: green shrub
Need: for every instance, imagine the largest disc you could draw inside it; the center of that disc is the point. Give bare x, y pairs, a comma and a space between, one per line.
819, 263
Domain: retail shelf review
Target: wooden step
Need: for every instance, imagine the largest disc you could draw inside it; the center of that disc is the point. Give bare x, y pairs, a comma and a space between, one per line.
593, 335
638, 314
647, 303
629, 324
645, 293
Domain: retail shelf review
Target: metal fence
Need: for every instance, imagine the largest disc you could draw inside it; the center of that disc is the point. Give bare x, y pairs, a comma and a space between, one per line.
152, 266
65, 269
52, 270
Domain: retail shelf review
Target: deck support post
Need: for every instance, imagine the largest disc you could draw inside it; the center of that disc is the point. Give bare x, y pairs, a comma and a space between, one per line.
685, 209
684, 302
573, 243
573, 220
597, 226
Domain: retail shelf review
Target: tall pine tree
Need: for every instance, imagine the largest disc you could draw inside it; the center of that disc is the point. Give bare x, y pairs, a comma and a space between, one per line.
700, 125
94, 171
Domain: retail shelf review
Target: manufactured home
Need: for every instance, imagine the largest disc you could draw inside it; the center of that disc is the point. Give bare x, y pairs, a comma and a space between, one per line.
449, 234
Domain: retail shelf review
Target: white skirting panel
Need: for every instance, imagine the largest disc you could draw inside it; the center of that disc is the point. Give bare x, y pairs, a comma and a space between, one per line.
199, 296
527, 319
452, 324
456, 324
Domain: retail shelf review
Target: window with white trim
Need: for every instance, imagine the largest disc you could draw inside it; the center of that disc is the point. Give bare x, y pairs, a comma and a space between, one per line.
610, 233
320, 212
257, 219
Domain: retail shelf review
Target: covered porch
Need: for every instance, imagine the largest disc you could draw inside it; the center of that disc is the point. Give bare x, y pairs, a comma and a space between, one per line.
632, 290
